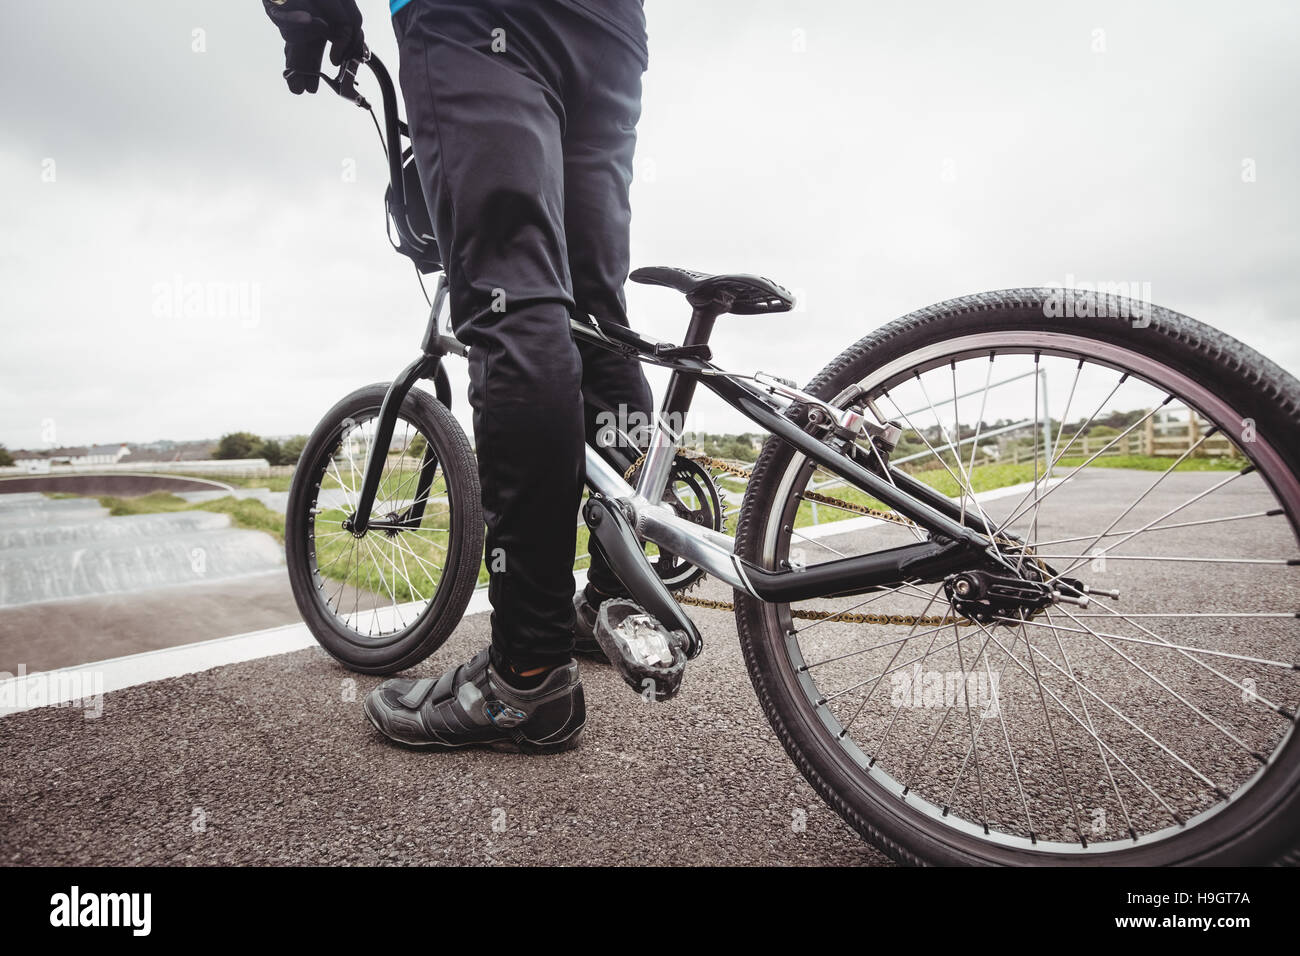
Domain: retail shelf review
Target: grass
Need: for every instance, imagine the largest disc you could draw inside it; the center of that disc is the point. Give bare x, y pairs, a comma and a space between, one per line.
1158, 463
397, 463
245, 513
270, 482
1001, 475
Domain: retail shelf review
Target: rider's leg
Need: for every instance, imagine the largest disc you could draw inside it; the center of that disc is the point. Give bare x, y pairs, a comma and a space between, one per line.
487, 126
599, 142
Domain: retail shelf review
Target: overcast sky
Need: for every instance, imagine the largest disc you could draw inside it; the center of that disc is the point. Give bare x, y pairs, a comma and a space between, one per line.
873, 157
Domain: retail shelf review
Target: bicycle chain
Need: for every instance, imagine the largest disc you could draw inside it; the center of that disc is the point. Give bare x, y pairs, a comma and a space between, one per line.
901, 620
891, 516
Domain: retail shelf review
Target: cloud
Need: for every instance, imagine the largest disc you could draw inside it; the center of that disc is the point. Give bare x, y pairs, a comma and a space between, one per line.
875, 160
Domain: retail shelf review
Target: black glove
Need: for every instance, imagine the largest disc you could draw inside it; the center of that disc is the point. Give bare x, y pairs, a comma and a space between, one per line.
307, 25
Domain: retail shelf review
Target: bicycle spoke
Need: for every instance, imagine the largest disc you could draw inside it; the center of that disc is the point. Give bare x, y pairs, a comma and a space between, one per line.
979, 420
964, 482
1105, 448
1138, 500
970, 725
1083, 706
1073, 438
407, 549
1168, 514
383, 580
1033, 524
827, 698
1177, 817
1170, 691
406, 575
1130, 532
1157, 557
1237, 685
1011, 756
844, 732
1084, 629
1051, 732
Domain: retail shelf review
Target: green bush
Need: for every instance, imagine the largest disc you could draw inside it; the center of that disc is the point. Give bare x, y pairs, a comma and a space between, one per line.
238, 445
292, 449
248, 445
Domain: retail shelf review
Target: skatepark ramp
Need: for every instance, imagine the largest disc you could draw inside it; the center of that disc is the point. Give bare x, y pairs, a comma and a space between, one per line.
123, 484
56, 549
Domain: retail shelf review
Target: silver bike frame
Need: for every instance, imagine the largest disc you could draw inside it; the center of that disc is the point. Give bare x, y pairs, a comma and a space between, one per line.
711, 550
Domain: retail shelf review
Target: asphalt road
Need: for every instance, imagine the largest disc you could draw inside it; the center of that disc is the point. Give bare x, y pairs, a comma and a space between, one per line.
272, 761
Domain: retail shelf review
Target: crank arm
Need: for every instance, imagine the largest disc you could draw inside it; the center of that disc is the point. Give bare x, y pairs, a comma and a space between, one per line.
618, 542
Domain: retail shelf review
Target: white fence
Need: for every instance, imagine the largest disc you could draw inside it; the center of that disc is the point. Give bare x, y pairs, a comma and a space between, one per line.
231, 468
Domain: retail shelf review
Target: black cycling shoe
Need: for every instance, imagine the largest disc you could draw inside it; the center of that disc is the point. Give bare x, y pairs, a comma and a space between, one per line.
584, 628
471, 705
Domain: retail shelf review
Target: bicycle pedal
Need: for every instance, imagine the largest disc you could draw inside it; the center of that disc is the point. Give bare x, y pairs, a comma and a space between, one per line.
650, 657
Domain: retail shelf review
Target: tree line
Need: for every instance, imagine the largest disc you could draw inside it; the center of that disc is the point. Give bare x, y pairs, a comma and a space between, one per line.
248, 445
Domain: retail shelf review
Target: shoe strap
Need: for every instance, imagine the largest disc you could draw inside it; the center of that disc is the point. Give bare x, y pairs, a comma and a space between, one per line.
445, 686
414, 697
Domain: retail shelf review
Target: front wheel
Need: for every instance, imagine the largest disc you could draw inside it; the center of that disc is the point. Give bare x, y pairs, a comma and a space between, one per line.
384, 601
1145, 467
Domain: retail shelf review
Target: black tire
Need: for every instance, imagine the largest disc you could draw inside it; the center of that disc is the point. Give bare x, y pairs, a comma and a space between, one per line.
1263, 824
404, 646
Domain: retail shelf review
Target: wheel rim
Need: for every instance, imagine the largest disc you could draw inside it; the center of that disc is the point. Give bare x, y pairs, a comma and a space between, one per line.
954, 782
378, 587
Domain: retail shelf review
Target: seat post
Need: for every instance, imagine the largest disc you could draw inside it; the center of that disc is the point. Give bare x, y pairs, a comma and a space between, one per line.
703, 315
681, 389
677, 402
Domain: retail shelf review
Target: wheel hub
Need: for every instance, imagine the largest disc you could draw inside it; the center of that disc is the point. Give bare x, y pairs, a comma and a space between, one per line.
993, 598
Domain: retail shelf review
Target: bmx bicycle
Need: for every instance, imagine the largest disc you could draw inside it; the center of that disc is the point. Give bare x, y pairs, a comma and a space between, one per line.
986, 630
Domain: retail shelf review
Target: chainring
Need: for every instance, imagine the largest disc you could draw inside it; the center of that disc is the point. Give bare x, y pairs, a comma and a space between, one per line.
693, 495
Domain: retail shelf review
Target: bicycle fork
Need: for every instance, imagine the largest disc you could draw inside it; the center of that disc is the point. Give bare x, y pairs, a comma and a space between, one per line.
434, 346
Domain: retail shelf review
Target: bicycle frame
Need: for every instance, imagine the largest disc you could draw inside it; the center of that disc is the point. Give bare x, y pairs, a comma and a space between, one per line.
956, 540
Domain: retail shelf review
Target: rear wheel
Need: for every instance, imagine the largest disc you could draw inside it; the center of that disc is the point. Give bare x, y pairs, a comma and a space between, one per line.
386, 600
1153, 459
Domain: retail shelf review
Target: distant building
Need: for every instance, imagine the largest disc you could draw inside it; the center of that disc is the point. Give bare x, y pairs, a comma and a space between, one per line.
102, 455
77, 457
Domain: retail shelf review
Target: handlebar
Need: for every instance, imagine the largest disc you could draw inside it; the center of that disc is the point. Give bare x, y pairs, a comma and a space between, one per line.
345, 85
405, 199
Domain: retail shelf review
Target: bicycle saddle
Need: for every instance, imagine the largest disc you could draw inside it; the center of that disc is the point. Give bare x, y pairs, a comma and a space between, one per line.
739, 294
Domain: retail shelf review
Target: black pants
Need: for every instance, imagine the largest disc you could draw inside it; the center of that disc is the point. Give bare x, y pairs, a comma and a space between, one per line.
523, 116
